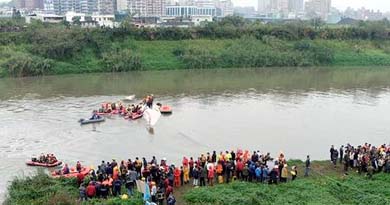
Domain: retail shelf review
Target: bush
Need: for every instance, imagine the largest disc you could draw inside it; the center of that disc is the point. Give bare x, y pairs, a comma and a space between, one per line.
56, 43
199, 58
302, 45
41, 189
121, 61
27, 65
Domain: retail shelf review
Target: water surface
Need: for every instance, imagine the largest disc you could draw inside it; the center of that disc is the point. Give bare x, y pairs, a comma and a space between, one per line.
297, 111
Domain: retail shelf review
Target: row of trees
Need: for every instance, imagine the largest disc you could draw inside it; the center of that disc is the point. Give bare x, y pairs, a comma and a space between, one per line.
231, 27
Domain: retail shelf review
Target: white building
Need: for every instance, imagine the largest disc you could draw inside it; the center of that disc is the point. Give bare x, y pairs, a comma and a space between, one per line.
190, 11
6, 12
147, 8
184, 22
105, 20
47, 18
69, 16
198, 20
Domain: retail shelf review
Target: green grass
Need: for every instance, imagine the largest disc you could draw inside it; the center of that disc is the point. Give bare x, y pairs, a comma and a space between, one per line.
160, 55
40, 189
325, 186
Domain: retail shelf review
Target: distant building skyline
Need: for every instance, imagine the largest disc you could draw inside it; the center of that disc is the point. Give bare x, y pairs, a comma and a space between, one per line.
382, 5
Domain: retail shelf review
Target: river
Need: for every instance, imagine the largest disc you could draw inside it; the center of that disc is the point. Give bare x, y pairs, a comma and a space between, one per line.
297, 111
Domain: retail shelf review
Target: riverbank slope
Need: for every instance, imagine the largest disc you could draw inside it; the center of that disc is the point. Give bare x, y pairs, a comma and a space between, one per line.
129, 54
50, 49
325, 185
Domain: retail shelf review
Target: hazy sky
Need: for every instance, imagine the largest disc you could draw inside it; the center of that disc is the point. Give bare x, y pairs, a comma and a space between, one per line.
383, 5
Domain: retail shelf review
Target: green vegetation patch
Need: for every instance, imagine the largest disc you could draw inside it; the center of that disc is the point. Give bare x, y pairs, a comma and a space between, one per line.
354, 189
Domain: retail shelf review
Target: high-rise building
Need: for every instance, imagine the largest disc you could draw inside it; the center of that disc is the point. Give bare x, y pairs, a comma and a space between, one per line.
204, 3
137, 7
155, 8
225, 7
187, 11
48, 6
282, 6
106, 7
92, 6
122, 5
147, 8
295, 6
318, 8
29, 4
264, 6
273, 6
186, 2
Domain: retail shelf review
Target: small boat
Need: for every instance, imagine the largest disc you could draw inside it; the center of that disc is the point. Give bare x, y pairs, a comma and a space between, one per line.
135, 116
84, 122
31, 163
72, 174
166, 109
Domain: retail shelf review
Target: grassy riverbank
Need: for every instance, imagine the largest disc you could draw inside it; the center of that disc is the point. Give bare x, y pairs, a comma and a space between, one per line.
195, 54
43, 49
326, 185
42, 189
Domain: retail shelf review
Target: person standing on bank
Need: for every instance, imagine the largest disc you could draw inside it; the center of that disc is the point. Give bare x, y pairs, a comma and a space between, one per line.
307, 166
331, 151
341, 154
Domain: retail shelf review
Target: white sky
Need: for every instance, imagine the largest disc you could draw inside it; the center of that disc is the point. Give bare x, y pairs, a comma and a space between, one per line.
383, 5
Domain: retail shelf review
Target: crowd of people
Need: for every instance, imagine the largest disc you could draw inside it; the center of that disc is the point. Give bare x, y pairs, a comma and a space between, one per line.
364, 158
121, 108
162, 178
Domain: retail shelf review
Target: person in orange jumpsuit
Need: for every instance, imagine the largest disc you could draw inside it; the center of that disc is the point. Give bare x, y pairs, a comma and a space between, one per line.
186, 172
177, 177
115, 174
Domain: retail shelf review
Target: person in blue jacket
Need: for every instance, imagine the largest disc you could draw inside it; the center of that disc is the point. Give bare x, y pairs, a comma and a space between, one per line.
259, 174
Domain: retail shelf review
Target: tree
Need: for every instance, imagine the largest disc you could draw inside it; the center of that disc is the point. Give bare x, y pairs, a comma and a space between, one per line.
76, 20
16, 14
236, 21
317, 23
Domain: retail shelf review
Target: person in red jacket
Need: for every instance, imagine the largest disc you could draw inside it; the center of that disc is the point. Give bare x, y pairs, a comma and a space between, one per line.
80, 178
91, 190
239, 168
168, 191
177, 177
185, 162
210, 175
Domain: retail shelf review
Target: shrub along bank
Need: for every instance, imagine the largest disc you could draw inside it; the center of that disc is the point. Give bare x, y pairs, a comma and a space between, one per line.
43, 49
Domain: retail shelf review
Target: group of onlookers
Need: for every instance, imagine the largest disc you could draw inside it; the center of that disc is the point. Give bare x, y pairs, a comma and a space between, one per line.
158, 179
364, 158
227, 166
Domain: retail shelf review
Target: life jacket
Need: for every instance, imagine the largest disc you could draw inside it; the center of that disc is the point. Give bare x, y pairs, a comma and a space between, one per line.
211, 173
219, 169
138, 164
177, 173
185, 161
